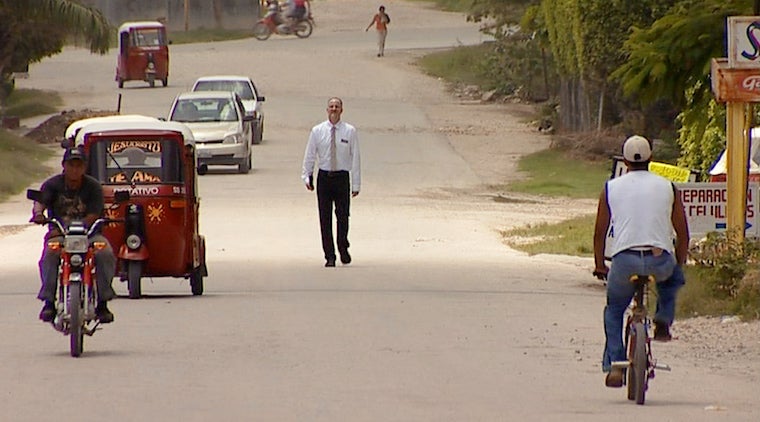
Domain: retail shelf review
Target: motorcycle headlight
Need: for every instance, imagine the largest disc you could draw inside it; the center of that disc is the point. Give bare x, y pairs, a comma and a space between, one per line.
233, 139
76, 260
133, 241
75, 243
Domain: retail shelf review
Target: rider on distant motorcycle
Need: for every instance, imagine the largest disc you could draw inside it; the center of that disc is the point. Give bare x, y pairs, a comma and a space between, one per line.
273, 10
68, 196
297, 10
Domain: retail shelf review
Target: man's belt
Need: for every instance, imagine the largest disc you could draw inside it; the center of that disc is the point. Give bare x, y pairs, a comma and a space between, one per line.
333, 173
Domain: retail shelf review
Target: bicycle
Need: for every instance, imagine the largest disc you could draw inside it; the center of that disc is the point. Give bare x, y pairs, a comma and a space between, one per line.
640, 366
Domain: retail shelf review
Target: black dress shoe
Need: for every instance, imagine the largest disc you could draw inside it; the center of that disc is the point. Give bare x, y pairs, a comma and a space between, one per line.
47, 314
330, 263
345, 257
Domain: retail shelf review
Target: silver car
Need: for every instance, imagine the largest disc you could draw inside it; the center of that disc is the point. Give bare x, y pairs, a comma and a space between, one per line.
220, 126
246, 89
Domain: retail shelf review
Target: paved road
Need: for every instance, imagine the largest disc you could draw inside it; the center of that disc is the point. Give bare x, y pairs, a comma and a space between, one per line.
434, 320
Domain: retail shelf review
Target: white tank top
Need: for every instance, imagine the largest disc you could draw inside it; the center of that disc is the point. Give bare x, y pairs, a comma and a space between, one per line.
641, 204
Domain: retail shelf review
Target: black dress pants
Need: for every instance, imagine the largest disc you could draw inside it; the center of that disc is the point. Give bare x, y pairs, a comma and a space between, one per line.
333, 187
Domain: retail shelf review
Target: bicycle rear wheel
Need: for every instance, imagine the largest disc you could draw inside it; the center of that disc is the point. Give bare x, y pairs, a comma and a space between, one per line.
630, 341
638, 364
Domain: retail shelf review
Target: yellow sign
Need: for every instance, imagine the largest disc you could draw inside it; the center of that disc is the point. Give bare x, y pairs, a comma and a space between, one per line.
670, 172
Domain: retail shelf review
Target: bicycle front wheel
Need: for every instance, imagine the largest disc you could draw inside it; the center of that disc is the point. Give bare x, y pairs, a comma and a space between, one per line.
638, 369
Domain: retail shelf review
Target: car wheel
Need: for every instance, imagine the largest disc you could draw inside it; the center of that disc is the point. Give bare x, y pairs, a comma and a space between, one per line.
245, 166
260, 132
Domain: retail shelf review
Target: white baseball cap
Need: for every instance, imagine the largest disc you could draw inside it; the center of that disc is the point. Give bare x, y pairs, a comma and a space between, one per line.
636, 149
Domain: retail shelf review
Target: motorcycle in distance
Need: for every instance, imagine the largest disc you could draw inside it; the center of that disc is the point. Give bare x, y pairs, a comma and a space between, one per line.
76, 294
272, 23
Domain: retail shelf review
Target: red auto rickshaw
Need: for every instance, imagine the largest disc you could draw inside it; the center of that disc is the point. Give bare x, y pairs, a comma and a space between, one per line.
155, 162
143, 53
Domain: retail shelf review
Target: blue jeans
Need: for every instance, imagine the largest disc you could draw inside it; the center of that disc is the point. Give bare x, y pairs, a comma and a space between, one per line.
620, 292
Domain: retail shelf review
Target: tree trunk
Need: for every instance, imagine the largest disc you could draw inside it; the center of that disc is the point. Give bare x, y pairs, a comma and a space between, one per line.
600, 111
217, 6
545, 67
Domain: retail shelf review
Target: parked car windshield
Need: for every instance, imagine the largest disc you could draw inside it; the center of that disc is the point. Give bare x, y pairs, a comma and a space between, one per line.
243, 89
204, 110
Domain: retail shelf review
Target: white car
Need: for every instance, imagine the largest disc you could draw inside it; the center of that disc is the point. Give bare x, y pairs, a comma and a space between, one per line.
220, 126
246, 89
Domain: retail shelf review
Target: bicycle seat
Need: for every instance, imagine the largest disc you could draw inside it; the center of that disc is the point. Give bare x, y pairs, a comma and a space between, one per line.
641, 278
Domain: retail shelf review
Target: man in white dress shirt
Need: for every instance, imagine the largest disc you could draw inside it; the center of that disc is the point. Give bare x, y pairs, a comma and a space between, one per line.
334, 146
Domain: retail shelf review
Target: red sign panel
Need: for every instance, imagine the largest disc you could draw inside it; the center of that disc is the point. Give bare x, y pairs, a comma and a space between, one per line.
734, 85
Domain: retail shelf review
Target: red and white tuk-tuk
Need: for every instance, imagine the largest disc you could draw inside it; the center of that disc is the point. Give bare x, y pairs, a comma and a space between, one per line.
155, 162
143, 53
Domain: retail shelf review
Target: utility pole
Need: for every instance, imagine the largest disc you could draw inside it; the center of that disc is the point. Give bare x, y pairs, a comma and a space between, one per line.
187, 14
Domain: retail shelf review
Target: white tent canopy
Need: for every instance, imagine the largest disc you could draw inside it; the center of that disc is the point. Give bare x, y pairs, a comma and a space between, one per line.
754, 156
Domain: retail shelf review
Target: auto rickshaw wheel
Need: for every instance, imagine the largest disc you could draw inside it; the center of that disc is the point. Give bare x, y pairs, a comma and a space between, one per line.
165, 81
196, 282
121, 83
134, 272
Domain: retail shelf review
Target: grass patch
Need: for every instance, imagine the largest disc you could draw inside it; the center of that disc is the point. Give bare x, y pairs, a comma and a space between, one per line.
460, 65
698, 298
450, 5
208, 35
23, 162
26, 103
569, 237
552, 173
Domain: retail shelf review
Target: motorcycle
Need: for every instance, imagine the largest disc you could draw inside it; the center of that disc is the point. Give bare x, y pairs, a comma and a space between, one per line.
268, 25
77, 294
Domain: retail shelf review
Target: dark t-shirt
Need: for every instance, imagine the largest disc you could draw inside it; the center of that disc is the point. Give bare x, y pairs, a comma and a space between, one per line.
71, 204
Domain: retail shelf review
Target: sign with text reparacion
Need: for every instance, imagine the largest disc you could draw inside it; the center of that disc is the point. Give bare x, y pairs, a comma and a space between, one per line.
705, 207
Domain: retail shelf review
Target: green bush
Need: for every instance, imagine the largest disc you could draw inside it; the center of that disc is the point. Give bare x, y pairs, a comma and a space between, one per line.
726, 261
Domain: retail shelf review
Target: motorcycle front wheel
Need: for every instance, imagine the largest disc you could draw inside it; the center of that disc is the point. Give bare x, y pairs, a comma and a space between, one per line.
75, 323
304, 29
261, 31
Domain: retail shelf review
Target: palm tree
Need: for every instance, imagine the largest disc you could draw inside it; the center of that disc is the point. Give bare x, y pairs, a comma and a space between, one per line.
34, 29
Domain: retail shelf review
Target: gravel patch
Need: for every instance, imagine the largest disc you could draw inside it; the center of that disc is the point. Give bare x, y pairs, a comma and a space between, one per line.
720, 343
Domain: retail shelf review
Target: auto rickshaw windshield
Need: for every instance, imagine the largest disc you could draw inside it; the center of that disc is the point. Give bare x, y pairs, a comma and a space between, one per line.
148, 37
118, 161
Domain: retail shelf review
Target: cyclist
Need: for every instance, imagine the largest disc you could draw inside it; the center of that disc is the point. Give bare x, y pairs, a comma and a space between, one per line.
646, 210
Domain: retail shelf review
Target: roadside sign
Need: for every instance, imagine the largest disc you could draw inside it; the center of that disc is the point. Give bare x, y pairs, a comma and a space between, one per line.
668, 171
705, 206
743, 42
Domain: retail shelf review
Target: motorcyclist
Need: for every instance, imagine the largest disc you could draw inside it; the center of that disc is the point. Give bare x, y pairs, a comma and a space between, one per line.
297, 10
273, 11
72, 195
